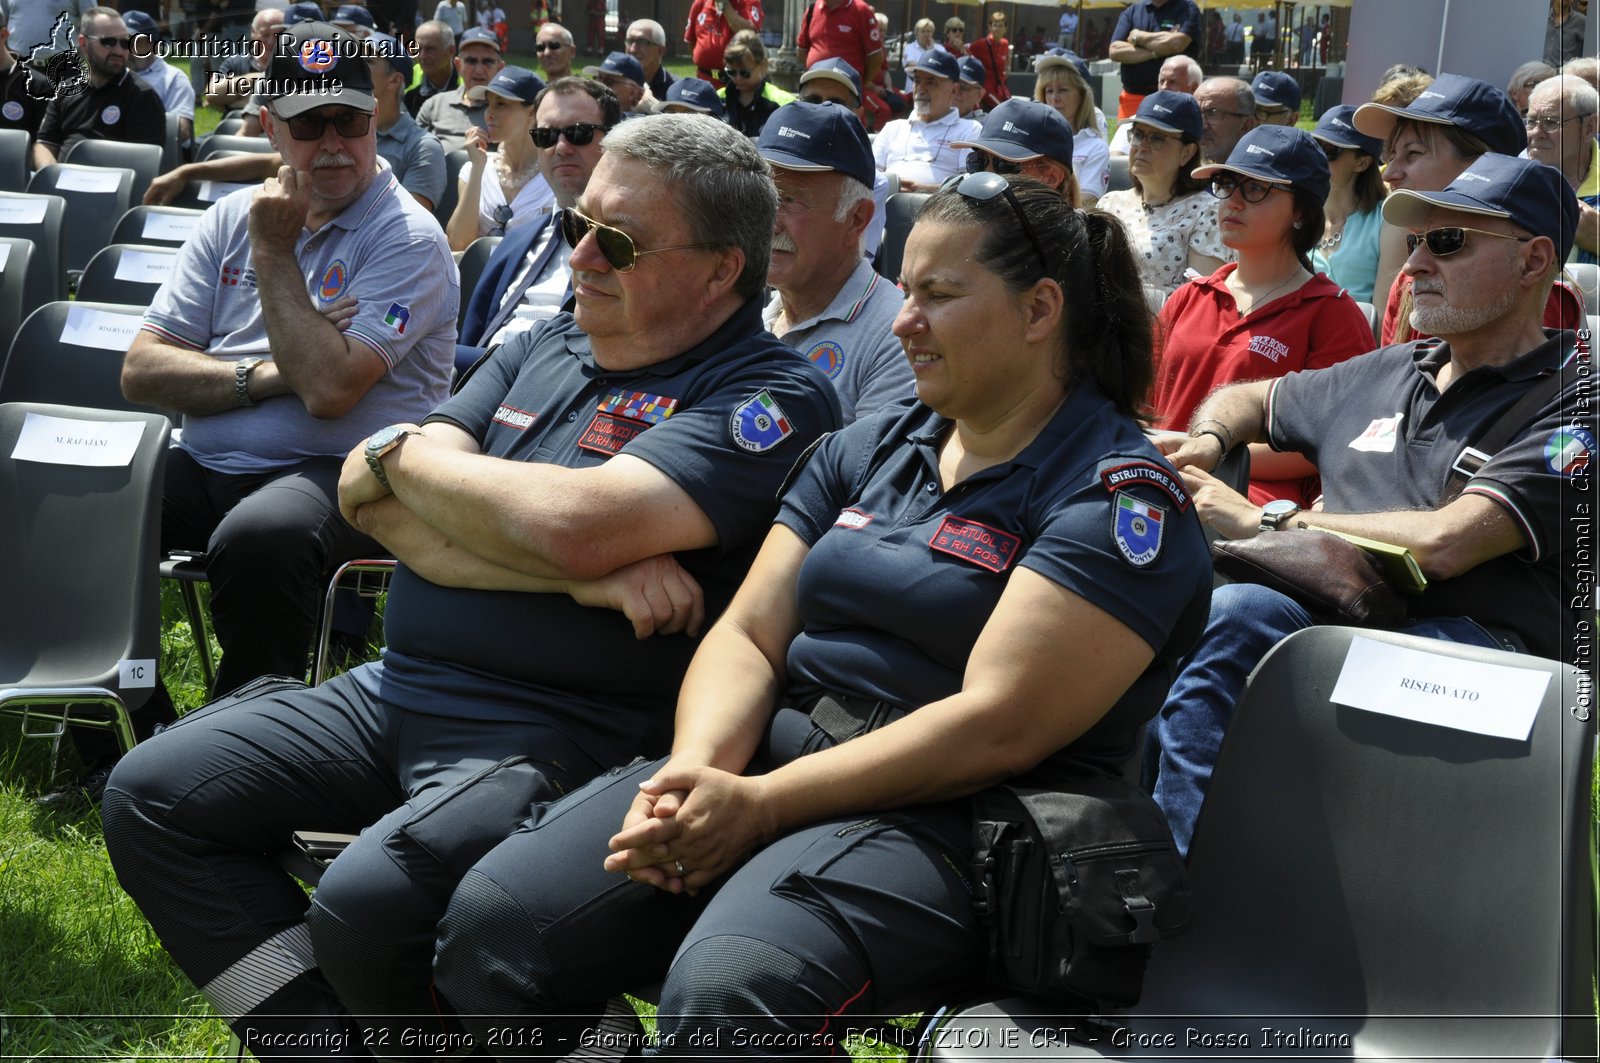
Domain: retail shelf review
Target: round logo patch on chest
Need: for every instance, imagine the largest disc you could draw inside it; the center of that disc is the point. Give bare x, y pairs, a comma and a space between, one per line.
333, 282
828, 357
12, 111
111, 115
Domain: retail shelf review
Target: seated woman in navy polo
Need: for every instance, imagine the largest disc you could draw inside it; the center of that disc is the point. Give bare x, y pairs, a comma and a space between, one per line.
993, 580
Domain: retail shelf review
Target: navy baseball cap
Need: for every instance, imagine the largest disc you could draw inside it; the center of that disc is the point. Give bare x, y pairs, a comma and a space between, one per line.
814, 137
1171, 112
835, 70
1280, 155
619, 64
1062, 57
1529, 194
1018, 130
477, 35
354, 15
140, 22
940, 64
1335, 127
316, 64
972, 70
511, 82
386, 47
1469, 104
295, 14
696, 95
1276, 91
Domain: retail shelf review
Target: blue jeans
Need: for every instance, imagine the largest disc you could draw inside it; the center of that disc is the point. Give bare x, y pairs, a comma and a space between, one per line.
1246, 621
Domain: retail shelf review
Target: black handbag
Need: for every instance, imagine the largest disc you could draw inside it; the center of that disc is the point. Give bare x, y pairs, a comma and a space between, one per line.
1074, 887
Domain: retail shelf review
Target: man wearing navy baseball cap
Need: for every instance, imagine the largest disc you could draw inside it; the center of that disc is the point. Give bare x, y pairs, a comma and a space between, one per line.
1467, 450
827, 301
1277, 98
919, 150
448, 115
692, 96
623, 75
970, 88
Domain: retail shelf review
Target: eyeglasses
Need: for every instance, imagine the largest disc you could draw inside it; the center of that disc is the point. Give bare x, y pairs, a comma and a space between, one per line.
981, 161
549, 46
502, 217
982, 187
1139, 138
1211, 114
1332, 151
125, 43
642, 41
578, 134
1549, 123
1222, 187
346, 123
617, 246
729, 73
1447, 240
477, 60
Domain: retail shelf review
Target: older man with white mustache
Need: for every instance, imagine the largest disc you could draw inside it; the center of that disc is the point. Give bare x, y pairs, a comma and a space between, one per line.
918, 149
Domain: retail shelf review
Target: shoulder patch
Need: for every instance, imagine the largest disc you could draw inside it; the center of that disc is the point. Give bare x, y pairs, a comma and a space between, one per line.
759, 424
1569, 450
1137, 527
1129, 473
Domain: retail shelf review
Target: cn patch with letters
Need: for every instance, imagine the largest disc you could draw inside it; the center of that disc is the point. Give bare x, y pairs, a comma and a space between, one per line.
760, 424
1137, 527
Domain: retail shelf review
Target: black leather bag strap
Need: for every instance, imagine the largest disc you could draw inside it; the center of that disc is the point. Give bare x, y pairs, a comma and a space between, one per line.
1497, 435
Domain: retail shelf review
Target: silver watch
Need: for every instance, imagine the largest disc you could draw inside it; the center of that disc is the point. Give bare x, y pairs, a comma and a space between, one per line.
241, 380
1276, 514
380, 443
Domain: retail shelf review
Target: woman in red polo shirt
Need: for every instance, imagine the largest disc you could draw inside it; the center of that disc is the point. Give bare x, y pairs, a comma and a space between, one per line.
1269, 313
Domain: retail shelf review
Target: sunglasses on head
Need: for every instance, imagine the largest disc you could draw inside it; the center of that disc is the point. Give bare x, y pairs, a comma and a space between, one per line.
982, 162
984, 186
729, 73
1223, 185
617, 247
549, 46
125, 43
578, 134
1449, 239
345, 123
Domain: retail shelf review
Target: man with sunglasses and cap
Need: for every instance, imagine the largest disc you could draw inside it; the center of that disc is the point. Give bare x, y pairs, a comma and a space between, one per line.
1396, 435
921, 150
622, 74
827, 301
564, 523
116, 104
448, 115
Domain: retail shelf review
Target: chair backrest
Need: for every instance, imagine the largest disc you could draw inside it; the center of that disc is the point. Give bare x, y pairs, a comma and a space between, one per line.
78, 549
1120, 180
143, 159
21, 282
129, 274
171, 146
228, 127
71, 354
1022, 84
1396, 878
898, 215
227, 142
96, 195
167, 226
14, 160
453, 162
473, 259
38, 218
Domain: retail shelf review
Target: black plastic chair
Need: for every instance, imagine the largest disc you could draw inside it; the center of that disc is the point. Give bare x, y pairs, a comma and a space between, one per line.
22, 283
164, 226
94, 210
80, 640
171, 145
471, 264
44, 367
14, 168
1398, 890
453, 162
899, 213
1120, 179
38, 218
129, 274
143, 159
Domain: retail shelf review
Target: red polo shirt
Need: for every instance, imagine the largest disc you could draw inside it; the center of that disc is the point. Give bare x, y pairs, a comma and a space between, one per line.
709, 32
848, 32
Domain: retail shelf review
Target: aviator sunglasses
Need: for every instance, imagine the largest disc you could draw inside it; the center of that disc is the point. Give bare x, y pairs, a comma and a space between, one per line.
617, 246
578, 134
1447, 240
984, 186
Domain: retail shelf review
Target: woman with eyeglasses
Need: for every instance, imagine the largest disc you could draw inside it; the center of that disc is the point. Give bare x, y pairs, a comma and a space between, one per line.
1063, 83
1349, 248
748, 98
1170, 220
956, 592
1268, 314
501, 189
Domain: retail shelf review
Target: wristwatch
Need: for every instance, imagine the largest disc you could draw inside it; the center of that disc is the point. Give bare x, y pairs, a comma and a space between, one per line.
1276, 514
380, 443
241, 380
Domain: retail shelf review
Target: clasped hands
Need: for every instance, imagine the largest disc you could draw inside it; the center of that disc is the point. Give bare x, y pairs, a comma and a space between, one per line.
690, 825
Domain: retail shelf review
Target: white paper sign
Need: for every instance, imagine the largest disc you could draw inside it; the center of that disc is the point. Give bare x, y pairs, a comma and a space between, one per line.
1486, 699
211, 191
18, 211
5, 256
131, 675
87, 327
88, 179
68, 441
170, 226
146, 267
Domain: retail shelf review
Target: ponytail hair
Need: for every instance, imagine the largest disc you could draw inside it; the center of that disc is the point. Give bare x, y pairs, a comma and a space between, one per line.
1112, 339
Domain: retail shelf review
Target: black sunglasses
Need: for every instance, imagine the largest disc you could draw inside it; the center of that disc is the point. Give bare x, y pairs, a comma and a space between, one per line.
1449, 239
1222, 187
982, 161
984, 186
549, 46
1332, 151
502, 217
345, 123
125, 43
617, 246
729, 73
578, 134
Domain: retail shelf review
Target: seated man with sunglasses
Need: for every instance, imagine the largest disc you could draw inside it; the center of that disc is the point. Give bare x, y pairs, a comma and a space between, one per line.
1399, 436
601, 479
116, 104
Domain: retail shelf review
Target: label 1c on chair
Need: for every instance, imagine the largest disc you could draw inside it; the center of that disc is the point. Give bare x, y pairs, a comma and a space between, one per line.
132, 675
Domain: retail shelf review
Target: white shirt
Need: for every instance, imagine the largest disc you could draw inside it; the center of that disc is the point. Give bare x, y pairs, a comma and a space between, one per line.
921, 151
532, 205
172, 85
542, 301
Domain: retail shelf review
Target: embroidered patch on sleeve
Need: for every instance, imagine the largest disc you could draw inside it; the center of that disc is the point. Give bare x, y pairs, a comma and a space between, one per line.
976, 543
760, 424
1146, 472
1137, 527
398, 317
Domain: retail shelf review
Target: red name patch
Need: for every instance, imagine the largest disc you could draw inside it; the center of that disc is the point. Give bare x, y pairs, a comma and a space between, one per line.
980, 544
608, 433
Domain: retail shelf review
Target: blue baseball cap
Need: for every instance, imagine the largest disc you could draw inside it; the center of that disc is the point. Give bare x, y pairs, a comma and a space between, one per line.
511, 82
1064, 57
1335, 127
835, 70
1529, 194
477, 35
386, 47
1018, 130
304, 12
814, 137
696, 95
140, 22
939, 63
1280, 155
972, 70
1172, 112
1469, 104
354, 15
619, 64
1276, 91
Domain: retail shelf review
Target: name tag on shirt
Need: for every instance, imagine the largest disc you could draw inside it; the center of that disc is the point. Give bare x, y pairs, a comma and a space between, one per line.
608, 433
976, 543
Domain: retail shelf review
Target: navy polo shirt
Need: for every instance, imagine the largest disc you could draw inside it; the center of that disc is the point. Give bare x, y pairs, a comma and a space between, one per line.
726, 420
1384, 439
21, 108
126, 109
902, 576
1180, 15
